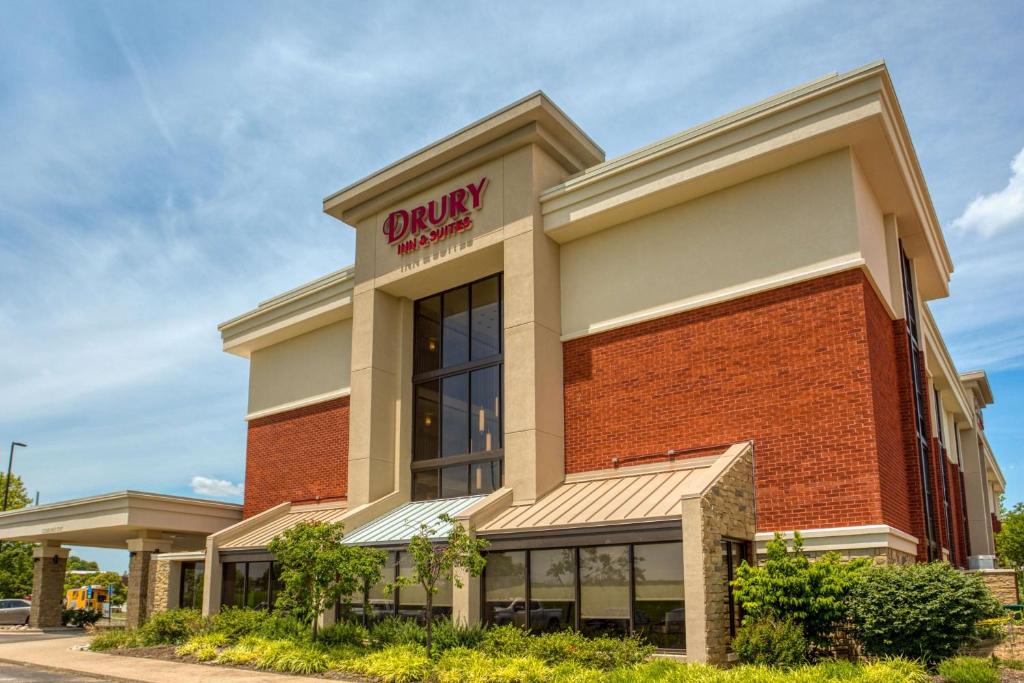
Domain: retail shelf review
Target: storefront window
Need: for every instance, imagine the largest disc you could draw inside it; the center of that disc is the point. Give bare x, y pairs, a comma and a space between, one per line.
191, 589
604, 590
589, 589
412, 600
249, 584
505, 588
457, 365
383, 605
552, 589
733, 555
658, 613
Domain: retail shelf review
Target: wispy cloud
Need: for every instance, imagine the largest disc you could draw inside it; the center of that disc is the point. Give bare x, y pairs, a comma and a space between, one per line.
218, 488
991, 213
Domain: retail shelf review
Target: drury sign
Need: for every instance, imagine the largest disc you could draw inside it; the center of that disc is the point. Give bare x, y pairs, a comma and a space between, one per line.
436, 220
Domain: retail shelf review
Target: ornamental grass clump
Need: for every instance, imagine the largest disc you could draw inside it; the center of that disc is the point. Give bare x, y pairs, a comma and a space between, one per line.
395, 664
463, 665
969, 670
115, 639
204, 647
396, 631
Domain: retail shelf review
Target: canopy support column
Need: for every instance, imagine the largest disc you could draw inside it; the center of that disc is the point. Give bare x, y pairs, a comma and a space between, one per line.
49, 562
140, 568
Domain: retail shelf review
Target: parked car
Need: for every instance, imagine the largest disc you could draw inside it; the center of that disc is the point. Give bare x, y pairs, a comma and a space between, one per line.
541, 618
14, 611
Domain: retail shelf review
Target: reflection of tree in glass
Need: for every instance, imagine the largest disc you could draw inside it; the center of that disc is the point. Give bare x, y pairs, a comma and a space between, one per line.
505, 569
599, 568
563, 569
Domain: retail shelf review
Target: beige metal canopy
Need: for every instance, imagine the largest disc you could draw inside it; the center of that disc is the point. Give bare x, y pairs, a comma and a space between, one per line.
111, 520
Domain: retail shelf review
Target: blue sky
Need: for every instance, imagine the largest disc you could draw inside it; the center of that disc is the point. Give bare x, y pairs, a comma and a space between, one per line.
162, 168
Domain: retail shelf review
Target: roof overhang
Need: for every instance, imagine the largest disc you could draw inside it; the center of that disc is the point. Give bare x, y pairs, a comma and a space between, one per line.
323, 301
857, 110
111, 520
977, 382
535, 119
944, 374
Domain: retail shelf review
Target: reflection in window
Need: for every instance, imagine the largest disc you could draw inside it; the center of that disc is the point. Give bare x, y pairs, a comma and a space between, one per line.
428, 421
486, 410
249, 584
455, 415
553, 589
604, 590
485, 477
486, 319
424, 485
658, 608
505, 588
191, 590
258, 592
733, 555
413, 599
455, 348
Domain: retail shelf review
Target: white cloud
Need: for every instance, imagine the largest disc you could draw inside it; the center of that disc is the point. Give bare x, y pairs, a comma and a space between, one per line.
990, 213
218, 488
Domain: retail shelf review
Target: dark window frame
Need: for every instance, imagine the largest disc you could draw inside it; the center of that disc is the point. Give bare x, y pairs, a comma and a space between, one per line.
467, 460
920, 395
578, 584
181, 584
271, 583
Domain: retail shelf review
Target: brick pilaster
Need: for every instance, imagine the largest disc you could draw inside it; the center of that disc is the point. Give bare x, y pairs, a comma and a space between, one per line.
49, 563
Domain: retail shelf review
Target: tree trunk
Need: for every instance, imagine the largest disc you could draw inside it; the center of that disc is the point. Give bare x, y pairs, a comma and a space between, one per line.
430, 620
366, 603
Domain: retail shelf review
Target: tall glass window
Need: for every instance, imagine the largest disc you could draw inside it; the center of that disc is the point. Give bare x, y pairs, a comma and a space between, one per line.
412, 599
505, 589
658, 613
604, 590
457, 361
552, 589
249, 584
190, 593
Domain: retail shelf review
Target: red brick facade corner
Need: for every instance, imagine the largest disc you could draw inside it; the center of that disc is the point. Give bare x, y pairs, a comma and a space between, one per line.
298, 455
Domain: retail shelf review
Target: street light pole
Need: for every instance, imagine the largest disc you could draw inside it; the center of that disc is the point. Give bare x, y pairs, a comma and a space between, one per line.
10, 463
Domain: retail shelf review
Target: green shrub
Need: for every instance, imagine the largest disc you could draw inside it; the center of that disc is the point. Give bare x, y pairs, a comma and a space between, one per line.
395, 664
788, 586
895, 670
344, 633
969, 670
172, 627
772, 643
920, 611
463, 665
117, 638
508, 640
448, 635
570, 672
79, 617
239, 622
600, 653
396, 631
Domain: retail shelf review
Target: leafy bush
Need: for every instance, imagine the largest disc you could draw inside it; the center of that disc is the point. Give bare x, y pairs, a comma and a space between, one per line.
172, 627
969, 670
463, 665
788, 586
508, 640
448, 635
921, 611
345, 633
79, 617
396, 631
238, 622
113, 639
395, 664
772, 643
601, 653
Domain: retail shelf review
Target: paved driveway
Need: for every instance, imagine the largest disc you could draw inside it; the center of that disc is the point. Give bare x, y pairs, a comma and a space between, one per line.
14, 672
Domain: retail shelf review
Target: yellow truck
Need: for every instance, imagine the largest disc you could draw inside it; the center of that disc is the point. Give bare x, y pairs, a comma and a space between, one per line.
87, 597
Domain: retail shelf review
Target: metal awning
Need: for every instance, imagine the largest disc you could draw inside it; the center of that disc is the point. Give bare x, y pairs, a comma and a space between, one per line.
398, 526
626, 495
259, 536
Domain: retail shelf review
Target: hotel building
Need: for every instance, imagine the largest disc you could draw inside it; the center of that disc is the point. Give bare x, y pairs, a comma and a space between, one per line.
625, 374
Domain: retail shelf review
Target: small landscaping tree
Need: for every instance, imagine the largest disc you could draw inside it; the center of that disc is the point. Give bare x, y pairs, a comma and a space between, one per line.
787, 586
366, 566
920, 611
316, 569
432, 562
1010, 539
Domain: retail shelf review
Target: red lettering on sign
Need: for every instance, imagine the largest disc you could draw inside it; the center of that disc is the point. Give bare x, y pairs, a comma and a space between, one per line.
402, 224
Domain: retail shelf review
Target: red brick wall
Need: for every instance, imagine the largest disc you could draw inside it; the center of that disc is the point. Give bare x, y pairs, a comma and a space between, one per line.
793, 369
298, 455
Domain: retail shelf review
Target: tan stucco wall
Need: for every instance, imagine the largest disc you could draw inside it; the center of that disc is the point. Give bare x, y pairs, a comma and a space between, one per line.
871, 231
315, 364
781, 225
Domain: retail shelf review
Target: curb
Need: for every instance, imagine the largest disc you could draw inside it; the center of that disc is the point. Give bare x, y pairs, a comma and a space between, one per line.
85, 674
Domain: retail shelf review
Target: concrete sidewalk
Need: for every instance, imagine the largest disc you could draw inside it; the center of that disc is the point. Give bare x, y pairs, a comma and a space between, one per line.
60, 654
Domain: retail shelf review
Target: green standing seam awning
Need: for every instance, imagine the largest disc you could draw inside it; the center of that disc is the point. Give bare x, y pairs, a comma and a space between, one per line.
398, 526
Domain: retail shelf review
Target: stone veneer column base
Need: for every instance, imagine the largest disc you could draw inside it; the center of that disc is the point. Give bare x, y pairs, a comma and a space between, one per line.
139, 567
49, 563
1002, 583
